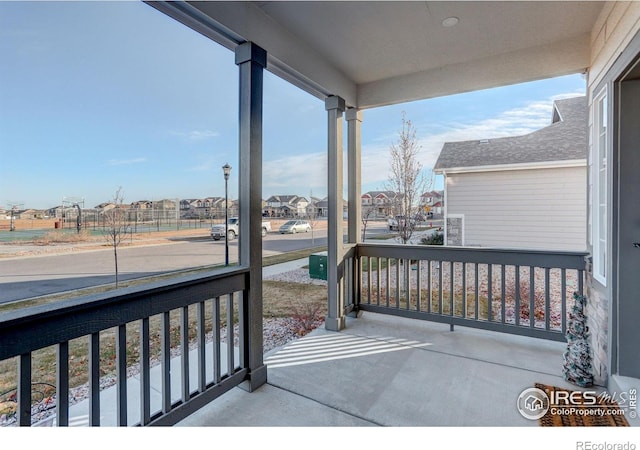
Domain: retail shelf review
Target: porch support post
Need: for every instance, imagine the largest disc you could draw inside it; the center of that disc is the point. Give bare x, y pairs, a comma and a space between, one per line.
354, 169
335, 106
251, 61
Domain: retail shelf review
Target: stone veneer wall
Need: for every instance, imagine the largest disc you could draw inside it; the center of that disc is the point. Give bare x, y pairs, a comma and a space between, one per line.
597, 312
454, 231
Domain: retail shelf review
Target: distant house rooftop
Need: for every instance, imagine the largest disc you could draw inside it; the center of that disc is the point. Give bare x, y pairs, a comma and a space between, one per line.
565, 139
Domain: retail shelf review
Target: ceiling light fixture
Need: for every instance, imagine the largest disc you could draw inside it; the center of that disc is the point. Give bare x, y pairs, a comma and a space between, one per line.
450, 22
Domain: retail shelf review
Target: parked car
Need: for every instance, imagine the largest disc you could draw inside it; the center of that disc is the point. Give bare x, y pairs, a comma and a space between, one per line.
217, 231
295, 226
399, 221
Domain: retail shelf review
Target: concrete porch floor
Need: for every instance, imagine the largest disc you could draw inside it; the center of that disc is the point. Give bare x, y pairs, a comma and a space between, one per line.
390, 371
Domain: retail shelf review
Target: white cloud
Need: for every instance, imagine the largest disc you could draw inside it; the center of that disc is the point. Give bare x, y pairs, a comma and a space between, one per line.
125, 162
204, 165
514, 122
298, 174
196, 135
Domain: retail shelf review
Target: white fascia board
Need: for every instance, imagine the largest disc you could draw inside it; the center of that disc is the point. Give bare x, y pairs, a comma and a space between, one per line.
508, 167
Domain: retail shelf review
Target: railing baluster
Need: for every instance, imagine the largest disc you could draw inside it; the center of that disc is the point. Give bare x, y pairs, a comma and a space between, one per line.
217, 371
378, 281
94, 379
145, 372
407, 281
532, 304
451, 287
388, 270
503, 294
517, 288
440, 269
243, 319
369, 269
62, 383
547, 299
230, 337
580, 282
429, 286
490, 292
476, 293
24, 390
184, 349
419, 285
464, 289
398, 262
202, 376
121, 375
563, 302
166, 362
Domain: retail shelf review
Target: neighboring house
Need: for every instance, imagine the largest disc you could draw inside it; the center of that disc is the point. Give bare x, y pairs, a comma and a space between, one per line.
526, 192
142, 204
313, 209
437, 208
28, 214
431, 202
56, 212
102, 207
382, 202
286, 206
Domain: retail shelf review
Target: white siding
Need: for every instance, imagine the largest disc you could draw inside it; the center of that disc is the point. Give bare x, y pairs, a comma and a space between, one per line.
533, 209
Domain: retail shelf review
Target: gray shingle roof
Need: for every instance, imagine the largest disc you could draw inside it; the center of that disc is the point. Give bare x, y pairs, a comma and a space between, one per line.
564, 139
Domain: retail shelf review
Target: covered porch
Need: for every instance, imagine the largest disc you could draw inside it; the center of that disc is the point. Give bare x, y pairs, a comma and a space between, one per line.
463, 365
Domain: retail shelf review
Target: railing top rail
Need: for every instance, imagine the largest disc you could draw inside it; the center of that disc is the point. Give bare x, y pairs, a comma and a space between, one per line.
37, 327
535, 258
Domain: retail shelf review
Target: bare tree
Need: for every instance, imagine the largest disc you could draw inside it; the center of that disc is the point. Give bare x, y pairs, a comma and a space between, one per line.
312, 217
115, 226
367, 211
406, 180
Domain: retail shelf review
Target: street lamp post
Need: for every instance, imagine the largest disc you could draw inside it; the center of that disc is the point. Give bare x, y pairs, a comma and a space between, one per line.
226, 169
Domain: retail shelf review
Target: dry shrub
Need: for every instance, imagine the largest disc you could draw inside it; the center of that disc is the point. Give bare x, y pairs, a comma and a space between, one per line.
61, 237
307, 316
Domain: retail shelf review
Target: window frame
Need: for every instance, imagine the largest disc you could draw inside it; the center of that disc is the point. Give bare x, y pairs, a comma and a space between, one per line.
599, 192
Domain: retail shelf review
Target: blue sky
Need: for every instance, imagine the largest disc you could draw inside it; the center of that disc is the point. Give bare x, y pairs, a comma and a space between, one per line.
98, 95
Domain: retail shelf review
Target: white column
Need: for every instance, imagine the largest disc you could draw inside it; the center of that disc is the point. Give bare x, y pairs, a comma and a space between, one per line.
335, 106
354, 178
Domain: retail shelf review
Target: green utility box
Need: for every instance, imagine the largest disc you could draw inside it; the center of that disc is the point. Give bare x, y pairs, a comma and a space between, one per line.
318, 265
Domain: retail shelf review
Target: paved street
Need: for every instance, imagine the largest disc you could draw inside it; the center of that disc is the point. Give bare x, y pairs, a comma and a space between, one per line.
26, 277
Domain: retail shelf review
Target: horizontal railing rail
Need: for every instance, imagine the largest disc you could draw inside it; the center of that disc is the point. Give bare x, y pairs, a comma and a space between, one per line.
522, 292
187, 313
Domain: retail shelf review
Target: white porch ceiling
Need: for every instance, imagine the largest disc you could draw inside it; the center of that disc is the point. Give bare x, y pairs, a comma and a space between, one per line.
386, 52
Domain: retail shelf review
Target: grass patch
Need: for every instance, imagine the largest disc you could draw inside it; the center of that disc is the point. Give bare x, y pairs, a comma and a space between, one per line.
291, 256
374, 263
